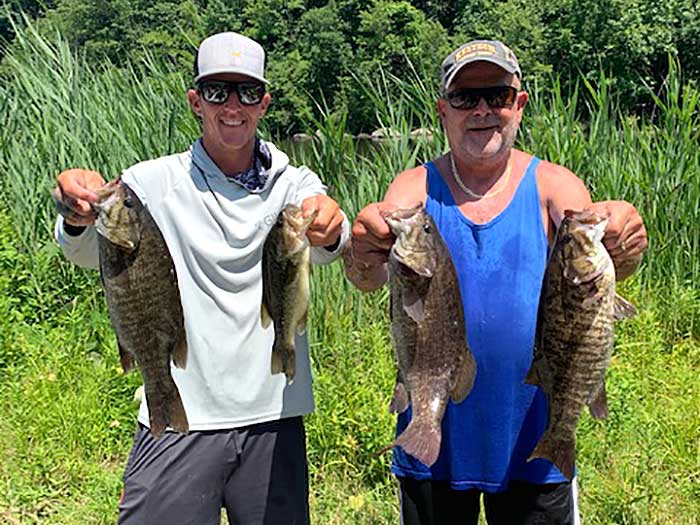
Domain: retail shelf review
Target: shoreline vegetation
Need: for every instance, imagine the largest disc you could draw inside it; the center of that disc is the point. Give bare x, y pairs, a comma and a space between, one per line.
67, 415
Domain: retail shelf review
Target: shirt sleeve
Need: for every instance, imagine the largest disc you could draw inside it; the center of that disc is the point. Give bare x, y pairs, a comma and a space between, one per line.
309, 185
78, 249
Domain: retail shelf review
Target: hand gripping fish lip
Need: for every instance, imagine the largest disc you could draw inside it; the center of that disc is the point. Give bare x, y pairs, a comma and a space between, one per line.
402, 220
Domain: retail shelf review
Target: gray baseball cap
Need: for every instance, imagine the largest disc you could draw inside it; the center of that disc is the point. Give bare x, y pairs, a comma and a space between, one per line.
474, 51
230, 53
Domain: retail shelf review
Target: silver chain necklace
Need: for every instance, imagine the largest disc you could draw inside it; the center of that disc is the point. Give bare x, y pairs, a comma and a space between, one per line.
473, 194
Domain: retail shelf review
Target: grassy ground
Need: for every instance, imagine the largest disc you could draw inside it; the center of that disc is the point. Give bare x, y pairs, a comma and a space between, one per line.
67, 419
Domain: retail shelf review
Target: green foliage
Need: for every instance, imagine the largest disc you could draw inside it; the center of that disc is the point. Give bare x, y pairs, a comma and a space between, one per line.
323, 42
652, 162
117, 30
392, 31
11, 12
217, 16
291, 101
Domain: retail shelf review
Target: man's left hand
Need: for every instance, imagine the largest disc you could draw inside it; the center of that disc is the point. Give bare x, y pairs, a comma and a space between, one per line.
625, 236
327, 227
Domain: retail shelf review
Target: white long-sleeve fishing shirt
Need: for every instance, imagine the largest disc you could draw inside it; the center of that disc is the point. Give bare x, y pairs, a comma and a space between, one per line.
215, 230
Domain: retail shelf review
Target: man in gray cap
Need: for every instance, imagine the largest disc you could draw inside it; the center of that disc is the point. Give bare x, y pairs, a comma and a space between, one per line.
496, 208
215, 204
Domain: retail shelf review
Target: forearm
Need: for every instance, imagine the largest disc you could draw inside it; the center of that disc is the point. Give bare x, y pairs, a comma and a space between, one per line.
626, 266
79, 249
365, 277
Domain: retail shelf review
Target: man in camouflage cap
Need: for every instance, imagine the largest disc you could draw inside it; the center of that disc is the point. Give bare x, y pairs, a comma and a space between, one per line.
496, 208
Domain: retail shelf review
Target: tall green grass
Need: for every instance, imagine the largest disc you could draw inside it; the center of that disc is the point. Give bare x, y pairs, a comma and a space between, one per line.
66, 411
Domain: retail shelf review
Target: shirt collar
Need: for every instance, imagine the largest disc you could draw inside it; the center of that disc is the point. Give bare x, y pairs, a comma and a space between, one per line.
255, 180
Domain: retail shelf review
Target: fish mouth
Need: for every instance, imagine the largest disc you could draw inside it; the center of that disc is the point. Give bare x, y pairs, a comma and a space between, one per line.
107, 194
408, 269
403, 219
600, 267
298, 223
586, 216
294, 228
590, 279
593, 222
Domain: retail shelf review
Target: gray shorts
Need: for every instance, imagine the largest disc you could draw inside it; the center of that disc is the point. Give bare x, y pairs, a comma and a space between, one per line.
258, 473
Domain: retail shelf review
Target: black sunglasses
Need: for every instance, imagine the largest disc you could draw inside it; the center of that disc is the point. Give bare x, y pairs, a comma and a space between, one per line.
495, 97
218, 91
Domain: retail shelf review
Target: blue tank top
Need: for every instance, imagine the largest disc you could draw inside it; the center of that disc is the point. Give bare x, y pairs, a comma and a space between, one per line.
487, 438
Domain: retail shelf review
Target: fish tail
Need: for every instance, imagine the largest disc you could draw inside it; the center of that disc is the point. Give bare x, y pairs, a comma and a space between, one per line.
165, 408
560, 450
421, 440
283, 358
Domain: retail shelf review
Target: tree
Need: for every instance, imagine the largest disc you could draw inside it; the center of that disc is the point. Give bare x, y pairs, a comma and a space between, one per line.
323, 44
11, 13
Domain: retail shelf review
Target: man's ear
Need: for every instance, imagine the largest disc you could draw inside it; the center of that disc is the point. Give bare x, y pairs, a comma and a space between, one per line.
267, 98
440, 105
195, 102
522, 99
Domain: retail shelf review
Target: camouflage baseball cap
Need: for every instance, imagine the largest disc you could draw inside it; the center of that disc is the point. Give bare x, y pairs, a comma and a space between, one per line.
487, 50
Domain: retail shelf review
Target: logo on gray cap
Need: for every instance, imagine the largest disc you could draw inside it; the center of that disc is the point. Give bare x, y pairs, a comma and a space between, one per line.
230, 53
487, 50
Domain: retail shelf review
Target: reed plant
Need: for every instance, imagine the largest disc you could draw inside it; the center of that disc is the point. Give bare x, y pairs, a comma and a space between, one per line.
66, 411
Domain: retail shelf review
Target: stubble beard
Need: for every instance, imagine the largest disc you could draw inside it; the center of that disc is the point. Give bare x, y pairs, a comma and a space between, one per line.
498, 145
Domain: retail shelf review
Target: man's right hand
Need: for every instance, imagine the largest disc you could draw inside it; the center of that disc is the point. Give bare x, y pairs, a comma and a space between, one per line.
366, 254
371, 237
74, 195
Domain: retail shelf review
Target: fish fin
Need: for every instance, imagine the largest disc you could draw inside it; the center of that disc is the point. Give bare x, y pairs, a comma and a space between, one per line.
265, 318
561, 452
599, 403
125, 358
180, 352
399, 403
301, 325
420, 440
283, 359
178, 417
533, 375
623, 309
413, 306
165, 408
464, 379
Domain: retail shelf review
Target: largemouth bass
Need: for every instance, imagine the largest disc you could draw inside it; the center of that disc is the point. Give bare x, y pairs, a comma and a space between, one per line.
574, 341
143, 300
286, 266
428, 331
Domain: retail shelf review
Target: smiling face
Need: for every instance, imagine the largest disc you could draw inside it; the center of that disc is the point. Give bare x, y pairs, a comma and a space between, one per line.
482, 134
228, 129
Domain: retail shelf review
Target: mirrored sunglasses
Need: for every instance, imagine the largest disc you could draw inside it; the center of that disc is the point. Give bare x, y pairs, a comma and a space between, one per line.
218, 91
495, 97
